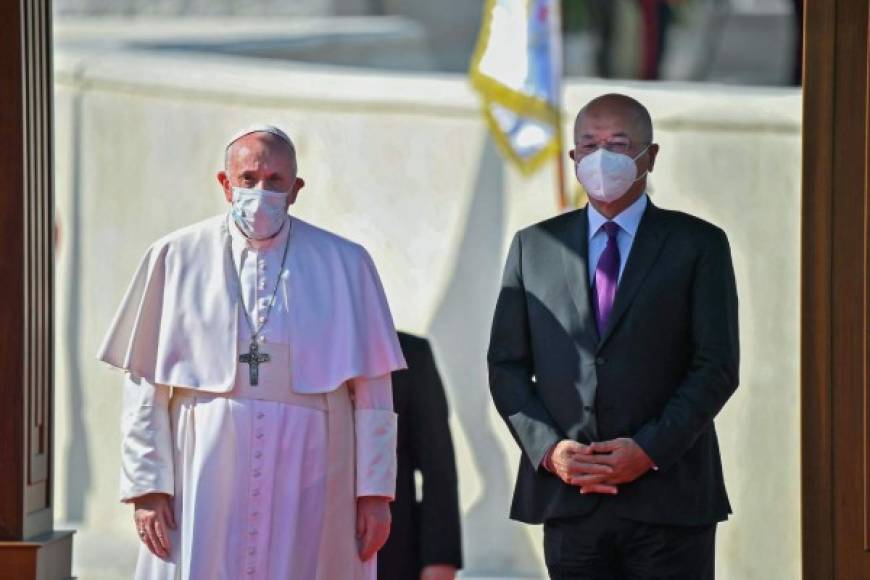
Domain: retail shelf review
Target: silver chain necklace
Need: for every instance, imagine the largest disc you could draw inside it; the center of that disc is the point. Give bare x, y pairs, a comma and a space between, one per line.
254, 358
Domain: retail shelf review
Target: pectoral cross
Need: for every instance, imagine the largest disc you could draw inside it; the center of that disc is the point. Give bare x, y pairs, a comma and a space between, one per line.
253, 360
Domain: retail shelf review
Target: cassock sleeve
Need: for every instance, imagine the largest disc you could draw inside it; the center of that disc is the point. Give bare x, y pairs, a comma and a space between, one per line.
146, 444
375, 423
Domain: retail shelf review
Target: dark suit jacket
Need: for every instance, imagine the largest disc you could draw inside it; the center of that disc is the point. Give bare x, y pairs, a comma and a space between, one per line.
663, 368
427, 531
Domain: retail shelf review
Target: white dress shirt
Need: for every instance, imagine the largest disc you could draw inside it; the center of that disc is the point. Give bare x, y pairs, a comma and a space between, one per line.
628, 221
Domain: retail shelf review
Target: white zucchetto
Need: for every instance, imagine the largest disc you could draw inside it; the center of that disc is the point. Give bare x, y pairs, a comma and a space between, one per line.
262, 128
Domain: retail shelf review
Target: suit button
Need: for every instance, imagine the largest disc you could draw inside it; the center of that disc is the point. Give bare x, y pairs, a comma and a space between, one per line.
600, 361
587, 408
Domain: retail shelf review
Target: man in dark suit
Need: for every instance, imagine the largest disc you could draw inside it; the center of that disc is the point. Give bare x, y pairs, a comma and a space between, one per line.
614, 345
425, 541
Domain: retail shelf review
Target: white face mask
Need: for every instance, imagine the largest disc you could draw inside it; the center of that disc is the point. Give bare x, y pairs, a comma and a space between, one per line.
607, 176
259, 213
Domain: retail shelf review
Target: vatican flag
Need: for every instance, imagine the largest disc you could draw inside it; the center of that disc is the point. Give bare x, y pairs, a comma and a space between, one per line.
517, 69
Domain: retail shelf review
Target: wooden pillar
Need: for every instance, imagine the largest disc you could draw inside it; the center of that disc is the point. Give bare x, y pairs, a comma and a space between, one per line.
29, 546
835, 321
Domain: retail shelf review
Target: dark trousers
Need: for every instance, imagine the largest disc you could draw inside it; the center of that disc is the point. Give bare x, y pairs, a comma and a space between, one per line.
603, 546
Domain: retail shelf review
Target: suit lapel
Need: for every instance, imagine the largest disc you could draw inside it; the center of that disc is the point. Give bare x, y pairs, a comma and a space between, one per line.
644, 251
575, 259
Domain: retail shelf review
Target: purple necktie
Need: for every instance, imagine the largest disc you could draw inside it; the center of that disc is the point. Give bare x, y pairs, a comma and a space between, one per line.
606, 277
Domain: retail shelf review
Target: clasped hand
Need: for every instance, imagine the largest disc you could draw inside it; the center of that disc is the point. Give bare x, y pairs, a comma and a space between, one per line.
599, 467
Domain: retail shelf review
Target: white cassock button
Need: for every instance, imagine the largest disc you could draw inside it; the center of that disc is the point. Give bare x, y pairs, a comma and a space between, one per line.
252, 551
255, 493
260, 415
251, 571
253, 532
257, 473
255, 514
258, 454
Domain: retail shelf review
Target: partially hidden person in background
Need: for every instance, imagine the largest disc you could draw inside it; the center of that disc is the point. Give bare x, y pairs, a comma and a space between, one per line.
426, 540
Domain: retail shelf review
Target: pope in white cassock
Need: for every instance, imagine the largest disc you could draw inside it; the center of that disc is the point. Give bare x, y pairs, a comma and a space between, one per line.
258, 428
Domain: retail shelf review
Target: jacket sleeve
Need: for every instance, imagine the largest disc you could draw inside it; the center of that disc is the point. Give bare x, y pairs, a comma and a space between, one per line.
511, 366
440, 537
146, 440
714, 367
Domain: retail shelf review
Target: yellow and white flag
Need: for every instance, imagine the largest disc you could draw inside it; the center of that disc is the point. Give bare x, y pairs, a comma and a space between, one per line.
517, 69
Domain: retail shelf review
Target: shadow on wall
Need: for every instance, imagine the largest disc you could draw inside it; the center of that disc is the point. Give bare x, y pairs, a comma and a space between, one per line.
460, 334
77, 462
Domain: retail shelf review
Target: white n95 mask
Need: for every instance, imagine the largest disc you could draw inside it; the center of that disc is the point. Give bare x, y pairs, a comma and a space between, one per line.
607, 176
259, 213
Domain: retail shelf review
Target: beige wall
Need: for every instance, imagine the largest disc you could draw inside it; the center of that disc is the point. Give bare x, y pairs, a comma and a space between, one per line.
404, 165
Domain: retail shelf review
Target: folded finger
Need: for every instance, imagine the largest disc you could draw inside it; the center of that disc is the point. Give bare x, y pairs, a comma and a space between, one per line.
162, 533
589, 456
383, 537
579, 468
606, 446
169, 516
379, 538
587, 479
360, 526
574, 447
599, 488
583, 449
364, 531
374, 540
153, 542
140, 531
366, 551
149, 545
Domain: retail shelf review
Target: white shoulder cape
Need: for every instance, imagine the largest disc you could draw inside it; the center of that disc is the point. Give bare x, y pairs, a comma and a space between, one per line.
178, 322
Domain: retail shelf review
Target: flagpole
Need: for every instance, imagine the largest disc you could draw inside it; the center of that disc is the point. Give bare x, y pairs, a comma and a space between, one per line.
560, 173
557, 59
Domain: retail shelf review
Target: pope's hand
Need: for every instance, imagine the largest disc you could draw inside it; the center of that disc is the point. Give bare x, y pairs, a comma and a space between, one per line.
154, 518
372, 524
438, 572
576, 464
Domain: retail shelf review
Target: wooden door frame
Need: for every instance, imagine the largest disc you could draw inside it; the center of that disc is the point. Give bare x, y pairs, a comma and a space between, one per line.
835, 293
30, 549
